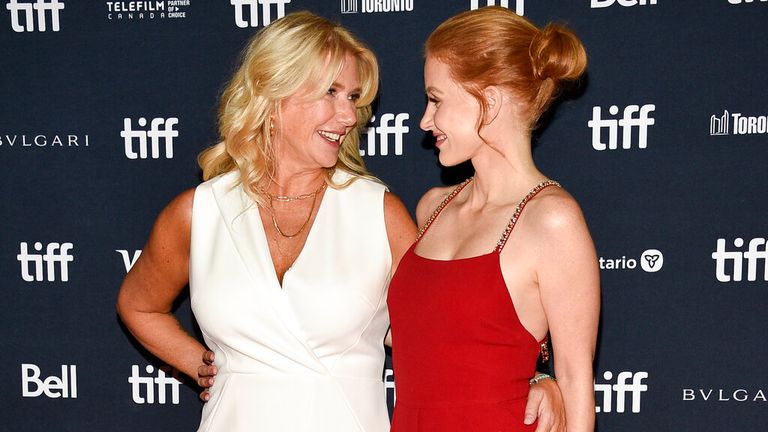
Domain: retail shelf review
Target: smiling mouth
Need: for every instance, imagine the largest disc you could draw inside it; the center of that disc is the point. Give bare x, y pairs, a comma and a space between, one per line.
330, 136
439, 139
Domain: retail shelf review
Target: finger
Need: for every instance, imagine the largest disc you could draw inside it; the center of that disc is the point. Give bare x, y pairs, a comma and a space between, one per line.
532, 407
205, 382
207, 371
205, 396
208, 357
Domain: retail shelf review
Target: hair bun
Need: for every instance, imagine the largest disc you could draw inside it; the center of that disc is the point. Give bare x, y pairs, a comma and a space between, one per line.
557, 53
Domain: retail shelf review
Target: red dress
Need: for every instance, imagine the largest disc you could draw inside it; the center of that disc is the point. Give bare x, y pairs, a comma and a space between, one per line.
461, 357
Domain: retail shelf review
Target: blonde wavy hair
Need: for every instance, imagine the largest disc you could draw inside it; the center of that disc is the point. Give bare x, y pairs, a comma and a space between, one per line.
280, 59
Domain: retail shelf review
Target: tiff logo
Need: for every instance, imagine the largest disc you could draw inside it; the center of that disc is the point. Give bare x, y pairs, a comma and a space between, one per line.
30, 11
148, 384
54, 253
383, 131
519, 5
389, 384
53, 386
253, 11
159, 128
625, 3
128, 259
620, 389
627, 123
719, 125
756, 251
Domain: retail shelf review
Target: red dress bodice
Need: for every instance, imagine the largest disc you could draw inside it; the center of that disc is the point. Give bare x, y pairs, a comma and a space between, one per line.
461, 357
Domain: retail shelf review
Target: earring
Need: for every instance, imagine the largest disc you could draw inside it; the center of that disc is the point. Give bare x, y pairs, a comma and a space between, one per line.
271, 127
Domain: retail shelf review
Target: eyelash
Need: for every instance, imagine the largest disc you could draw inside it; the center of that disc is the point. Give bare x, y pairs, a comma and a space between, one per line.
354, 97
433, 100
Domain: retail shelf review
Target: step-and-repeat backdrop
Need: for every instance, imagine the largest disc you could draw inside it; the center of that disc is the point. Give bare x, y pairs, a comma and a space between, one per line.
104, 106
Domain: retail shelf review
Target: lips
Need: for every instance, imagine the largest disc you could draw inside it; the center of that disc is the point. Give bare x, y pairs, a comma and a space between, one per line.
331, 136
439, 138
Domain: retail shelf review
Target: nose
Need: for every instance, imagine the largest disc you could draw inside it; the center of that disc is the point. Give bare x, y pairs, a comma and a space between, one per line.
426, 123
346, 112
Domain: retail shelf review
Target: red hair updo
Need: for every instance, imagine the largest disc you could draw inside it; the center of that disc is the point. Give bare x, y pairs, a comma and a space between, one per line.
493, 46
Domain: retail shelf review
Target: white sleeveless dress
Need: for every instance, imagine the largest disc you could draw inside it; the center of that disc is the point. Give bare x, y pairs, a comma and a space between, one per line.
308, 356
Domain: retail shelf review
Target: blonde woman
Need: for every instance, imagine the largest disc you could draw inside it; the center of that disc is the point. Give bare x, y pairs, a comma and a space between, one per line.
287, 246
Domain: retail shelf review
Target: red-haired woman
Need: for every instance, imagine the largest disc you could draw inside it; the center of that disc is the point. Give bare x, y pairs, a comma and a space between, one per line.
502, 259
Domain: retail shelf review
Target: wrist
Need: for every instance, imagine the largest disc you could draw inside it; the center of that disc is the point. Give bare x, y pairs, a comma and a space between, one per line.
540, 376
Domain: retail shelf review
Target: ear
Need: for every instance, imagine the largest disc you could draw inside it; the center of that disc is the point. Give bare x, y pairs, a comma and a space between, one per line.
494, 99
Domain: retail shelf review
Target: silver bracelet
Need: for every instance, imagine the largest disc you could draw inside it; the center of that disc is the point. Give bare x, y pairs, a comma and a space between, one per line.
540, 376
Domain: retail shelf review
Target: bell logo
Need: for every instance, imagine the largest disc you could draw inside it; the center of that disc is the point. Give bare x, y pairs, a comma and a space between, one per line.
34, 12
53, 386
150, 384
642, 122
159, 128
253, 11
626, 383
626, 3
54, 253
519, 5
384, 130
756, 251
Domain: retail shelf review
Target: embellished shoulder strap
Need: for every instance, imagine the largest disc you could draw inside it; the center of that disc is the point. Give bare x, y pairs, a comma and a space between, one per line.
442, 205
519, 209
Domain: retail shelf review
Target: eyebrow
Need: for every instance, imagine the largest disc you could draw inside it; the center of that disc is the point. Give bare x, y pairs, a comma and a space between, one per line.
341, 86
433, 90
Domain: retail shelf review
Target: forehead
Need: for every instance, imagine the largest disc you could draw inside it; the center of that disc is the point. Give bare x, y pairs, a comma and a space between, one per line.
436, 70
344, 75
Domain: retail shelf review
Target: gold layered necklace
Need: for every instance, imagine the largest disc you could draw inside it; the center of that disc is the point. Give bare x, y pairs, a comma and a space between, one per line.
285, 198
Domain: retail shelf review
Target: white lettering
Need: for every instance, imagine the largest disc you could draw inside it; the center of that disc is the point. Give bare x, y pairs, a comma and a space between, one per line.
129, 260
625, 3
160, 128
621, 389
54, 253
53, 386
149, 384
253, 11
29, 11
757, 251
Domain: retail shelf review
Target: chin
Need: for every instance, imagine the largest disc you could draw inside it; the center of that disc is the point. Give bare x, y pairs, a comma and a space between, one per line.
447, 161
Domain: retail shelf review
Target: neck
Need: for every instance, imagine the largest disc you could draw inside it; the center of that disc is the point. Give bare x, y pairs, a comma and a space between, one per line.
504, 171
288, 182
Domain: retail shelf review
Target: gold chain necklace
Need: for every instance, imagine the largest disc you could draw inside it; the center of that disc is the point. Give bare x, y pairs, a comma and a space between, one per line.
286, 198
309, 216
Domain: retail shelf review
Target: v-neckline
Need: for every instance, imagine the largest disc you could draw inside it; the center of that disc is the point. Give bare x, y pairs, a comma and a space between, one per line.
281, 285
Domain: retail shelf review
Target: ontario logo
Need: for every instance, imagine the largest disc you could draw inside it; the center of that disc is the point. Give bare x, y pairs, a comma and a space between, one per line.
651, 261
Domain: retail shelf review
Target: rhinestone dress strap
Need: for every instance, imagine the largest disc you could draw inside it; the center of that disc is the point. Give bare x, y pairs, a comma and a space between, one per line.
442, 206
519, 209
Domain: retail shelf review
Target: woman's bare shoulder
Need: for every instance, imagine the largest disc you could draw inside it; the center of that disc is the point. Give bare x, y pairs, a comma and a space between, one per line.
429, 202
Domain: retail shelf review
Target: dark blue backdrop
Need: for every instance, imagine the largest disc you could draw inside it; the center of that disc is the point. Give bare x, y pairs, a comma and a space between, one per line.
664, 147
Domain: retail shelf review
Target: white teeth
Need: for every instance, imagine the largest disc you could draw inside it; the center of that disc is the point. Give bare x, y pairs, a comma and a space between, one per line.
329, 135
441, 137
